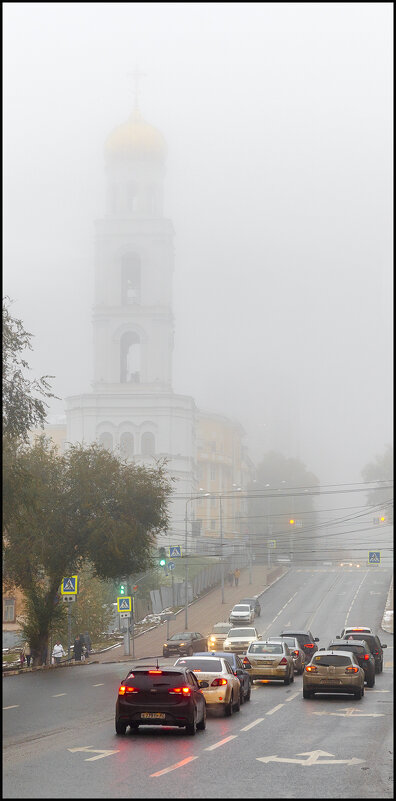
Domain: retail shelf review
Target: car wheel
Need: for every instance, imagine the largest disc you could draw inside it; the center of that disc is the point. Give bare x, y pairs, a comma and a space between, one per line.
286, 680
371, 682
191, 728
190, 651
228, 709
237, 705
202, 723
134, 726
120, 727
300, 672
307, 694
358, 694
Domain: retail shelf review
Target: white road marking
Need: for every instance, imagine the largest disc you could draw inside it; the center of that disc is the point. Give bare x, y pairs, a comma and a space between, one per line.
88, 749
354, 597
313, 758
370, 690
221, 742
14, 706
280, 611
58, 695
351, 712
174, 767
250, 726
98, 685
275, 709
293, 696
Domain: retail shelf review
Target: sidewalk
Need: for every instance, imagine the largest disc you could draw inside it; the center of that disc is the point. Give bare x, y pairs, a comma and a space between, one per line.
387, 620
202, 615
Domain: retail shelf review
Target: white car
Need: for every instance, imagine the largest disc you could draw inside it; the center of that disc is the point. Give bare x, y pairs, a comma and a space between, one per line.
217, 680
239, 639
241, 613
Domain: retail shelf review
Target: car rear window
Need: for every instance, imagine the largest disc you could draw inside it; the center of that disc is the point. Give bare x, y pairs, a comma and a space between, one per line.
184, 635
332, 660
303, 638
202, 665
241, 608
356, 649
368, 638
265, 648
155, 678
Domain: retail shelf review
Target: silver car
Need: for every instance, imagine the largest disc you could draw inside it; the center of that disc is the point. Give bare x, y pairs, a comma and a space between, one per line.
296, 651
241, 613
269, 660
238, 640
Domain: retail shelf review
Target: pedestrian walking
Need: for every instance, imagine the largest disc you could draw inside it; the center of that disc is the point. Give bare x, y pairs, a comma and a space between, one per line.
237, 573
230, 577
27, 652
87, 643
57, 652
78, 648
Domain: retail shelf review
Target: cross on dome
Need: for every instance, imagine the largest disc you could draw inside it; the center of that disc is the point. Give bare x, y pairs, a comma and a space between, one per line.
136, 75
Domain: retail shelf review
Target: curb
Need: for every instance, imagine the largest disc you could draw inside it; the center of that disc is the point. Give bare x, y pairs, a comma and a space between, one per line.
387, 620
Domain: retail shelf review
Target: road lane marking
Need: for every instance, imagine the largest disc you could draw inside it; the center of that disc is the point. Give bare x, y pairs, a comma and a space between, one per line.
250, 726
59, 695
174, 767
88, 749
293, 696
354, 597
275, 709
313, 758
98, 685
370, 690
221, 742
14, 706
280, 612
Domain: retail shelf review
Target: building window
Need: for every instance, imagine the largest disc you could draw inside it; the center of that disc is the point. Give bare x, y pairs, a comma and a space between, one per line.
126, 444
106, 440
130, 279
130, 358
9, 610
148, 444
212, 472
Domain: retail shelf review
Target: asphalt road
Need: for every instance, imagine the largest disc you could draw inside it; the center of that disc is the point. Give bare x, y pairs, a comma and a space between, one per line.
58, 725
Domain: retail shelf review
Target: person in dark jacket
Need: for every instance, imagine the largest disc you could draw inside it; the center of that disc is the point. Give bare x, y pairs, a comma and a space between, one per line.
77, 647
87, 642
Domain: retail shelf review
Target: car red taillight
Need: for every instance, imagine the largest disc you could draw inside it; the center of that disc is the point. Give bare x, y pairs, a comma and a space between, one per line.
185, 691
125, 689
309, 645
366, 656
246, 662
311, 668
155, 671
218, 682
283, 661
375, 653
351, 669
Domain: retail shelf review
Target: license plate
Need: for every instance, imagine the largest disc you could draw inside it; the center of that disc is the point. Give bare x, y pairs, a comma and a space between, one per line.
156, 715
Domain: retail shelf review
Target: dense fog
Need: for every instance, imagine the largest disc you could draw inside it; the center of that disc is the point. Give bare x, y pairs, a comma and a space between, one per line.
278, 123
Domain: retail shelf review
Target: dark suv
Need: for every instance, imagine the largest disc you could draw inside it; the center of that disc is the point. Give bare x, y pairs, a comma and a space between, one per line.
155, 696
254, 603
306, 640
363, 655
374, 645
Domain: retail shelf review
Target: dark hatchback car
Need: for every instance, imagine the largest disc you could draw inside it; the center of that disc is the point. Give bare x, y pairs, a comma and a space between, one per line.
155, 696
374, 645
306, 640
238, 668
185, 643
363, 655
254, 602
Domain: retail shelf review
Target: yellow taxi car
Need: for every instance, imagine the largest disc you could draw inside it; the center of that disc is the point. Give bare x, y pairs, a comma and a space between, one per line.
217, 681
269, 660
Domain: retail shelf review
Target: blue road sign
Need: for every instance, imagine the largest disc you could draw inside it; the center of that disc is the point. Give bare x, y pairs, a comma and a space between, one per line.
124, 603
174, 550
374, 557
171, 565
69, 585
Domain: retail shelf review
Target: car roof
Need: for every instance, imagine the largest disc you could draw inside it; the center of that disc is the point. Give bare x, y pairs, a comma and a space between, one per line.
144, 668
348, 642
222, 623
293, 632
251, 598
217, 654
327, 652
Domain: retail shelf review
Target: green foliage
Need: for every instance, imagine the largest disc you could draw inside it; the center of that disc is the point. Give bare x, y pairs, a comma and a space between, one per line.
85, 506
380, 471
22, 409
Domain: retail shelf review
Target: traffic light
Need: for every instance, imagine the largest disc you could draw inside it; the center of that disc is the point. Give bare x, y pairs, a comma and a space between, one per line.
291, 521
122, 589
162, 557
382, 519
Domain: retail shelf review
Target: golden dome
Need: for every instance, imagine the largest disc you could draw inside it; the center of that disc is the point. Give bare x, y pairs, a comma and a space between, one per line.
135, 139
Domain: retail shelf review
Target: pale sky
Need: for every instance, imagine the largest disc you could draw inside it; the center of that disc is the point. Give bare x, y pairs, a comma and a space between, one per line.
278, 121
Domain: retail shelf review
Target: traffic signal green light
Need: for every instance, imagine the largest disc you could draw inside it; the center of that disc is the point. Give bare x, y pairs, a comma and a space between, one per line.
162, 557
122, 589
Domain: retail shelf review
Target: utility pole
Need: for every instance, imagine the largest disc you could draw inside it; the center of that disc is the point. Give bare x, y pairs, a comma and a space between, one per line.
221, 552
186, 573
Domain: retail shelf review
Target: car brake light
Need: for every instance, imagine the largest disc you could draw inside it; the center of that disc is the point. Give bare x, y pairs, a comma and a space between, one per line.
124, 689
366, 656
283, 661
296, 653
375, 653
155, 671
311, 668
180, 691
309, 645
351, 669
218, 682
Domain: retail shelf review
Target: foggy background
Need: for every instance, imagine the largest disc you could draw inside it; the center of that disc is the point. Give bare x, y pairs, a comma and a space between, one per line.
278, 121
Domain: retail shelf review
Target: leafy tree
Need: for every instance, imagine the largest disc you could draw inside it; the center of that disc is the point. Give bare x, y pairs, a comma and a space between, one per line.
273, 503
23, 400
380, 472
83, 506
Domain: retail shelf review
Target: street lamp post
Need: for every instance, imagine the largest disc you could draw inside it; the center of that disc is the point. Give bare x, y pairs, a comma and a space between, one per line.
221, 552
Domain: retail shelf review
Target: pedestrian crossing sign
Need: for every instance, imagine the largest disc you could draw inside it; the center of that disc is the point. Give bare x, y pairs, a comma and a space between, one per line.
69, 585
374, 557
174, 550
124, 603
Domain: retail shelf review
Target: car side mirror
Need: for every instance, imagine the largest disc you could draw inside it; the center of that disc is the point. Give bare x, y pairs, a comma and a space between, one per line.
338, 637
204, 684
384, 645
322, 649
260, 637
316, 639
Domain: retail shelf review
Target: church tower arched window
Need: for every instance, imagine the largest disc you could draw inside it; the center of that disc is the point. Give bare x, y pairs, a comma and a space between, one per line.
130, 358
106, 440
130, 279
148, 444
126, 444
